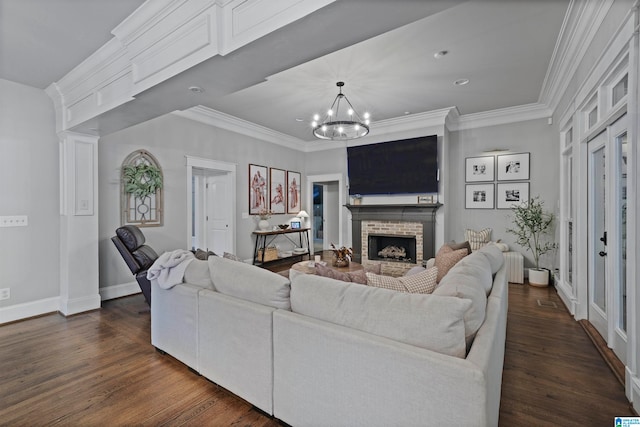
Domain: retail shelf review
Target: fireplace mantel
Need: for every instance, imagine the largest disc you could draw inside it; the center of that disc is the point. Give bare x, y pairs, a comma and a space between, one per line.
423, 213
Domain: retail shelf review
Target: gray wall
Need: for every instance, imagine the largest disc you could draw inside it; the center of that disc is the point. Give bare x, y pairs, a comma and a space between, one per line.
29, 261
535, 137
169, 138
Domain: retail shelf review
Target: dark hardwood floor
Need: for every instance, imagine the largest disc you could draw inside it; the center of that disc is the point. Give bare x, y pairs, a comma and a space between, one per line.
99, 368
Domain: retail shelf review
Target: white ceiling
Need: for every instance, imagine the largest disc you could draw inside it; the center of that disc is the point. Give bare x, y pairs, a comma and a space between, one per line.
382, 49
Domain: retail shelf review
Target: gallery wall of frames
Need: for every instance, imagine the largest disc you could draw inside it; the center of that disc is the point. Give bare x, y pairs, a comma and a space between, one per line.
273, 191
496, 182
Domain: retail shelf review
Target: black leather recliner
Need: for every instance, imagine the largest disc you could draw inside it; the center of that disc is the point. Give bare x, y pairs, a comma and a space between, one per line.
129, 241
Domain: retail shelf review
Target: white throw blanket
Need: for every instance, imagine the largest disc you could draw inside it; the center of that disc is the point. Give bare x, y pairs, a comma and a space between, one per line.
169, 268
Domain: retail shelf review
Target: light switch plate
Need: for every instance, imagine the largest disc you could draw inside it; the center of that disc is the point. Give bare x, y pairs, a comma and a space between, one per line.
14, 221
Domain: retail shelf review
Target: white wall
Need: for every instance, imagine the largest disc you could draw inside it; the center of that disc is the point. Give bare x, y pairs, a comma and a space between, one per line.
534, 136
169, 138
29, 256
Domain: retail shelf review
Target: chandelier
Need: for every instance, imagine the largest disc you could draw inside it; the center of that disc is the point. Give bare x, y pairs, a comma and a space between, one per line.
341, 122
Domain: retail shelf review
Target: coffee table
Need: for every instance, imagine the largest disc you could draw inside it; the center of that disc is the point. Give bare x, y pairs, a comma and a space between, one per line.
303, 267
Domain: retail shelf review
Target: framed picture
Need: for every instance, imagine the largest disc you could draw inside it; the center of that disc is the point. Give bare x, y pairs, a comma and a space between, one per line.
277, 192
512, 194
479, 169
479, 196
258, 189
295, 225
513, 167
293, 191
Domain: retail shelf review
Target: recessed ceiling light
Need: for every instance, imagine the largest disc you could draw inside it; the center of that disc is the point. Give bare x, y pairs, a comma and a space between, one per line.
196, 89
461, 82
440, 54
298, 119
406, 113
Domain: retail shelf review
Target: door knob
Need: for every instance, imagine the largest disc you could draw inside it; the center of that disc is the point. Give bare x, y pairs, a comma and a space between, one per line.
602, 253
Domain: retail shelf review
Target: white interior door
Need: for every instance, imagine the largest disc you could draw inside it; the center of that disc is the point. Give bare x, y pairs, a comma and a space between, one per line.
608, 236
217, 216
598, 234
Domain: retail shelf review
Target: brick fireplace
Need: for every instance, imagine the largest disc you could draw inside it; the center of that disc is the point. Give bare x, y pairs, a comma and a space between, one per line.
410, 227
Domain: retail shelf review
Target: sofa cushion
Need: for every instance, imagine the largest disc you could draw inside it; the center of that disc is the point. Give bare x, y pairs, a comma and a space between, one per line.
463, 282
414, 270
419, 283
476, 265
477, 239
428, 321
145, 256
462, 245
493, 253
197, 273
249, 282
446, 258
347, 276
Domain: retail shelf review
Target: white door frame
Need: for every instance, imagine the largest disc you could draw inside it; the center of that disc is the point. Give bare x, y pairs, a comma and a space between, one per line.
311, 179
215, 165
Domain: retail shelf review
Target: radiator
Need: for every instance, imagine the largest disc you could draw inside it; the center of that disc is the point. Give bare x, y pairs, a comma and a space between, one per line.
515, 266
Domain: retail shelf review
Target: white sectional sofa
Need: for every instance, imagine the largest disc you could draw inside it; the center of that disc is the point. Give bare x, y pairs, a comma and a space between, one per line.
318, 351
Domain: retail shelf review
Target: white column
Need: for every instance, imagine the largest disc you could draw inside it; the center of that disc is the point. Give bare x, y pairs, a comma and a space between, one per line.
79, 286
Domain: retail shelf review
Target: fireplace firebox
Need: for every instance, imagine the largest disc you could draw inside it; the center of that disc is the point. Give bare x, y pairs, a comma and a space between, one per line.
392, 248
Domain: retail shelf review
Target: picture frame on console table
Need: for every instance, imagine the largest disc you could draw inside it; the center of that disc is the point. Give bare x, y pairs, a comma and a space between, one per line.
479, 196
512, 194
294, 192
479, 169
513, 167
258, 189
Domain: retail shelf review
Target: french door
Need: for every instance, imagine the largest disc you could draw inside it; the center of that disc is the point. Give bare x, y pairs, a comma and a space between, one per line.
607, 235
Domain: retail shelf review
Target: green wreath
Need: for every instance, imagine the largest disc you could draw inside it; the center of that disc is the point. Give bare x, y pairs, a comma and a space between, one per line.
141, 180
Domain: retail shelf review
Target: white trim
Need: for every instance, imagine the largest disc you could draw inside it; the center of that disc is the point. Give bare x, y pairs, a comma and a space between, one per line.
29, 309
79, 305
502, 116
231, 123
311, 179
117, 291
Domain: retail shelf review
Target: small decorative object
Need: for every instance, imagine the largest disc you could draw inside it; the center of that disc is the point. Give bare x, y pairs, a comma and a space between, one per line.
295, 225
141, 179
258, 189
512, 194
531, 224
357, 199
513, 167
264, 215
141, 190
342, 256
479, 169
479, 196
430, 199
283, 226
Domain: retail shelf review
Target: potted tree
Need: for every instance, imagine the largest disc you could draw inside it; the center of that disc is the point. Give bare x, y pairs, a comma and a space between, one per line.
531, 225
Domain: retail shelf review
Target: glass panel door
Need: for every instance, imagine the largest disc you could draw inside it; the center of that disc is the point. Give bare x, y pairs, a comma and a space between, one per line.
597, 235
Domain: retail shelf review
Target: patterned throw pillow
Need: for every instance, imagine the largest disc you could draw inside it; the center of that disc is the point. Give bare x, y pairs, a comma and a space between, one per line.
420, 283
230, 256
455, 246
477, 239
446, 258
349, 276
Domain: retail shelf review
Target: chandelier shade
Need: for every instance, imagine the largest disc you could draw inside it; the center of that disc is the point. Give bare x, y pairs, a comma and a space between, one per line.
341, 121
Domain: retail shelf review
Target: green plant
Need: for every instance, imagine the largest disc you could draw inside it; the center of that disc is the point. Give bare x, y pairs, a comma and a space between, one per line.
141, 180
530, 225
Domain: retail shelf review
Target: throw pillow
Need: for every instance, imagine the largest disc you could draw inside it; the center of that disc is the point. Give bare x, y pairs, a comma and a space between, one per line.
419, 283
203, 255
446, 258
232, 257
414, 270
349, 276
477, 239
373, 268
455, 246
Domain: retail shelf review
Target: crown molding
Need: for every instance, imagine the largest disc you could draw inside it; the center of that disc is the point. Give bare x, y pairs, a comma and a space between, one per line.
581, 23
231, 123
501, 116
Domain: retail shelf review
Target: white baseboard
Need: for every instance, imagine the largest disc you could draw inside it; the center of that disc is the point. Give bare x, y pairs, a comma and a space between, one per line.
29, 309
633, 389
117, 291
568, 300
79, 305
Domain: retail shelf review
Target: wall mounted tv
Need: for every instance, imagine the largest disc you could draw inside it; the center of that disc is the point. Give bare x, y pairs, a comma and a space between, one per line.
406, 166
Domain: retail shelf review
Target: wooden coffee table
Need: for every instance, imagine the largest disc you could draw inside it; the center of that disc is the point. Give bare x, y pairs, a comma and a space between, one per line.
304, 267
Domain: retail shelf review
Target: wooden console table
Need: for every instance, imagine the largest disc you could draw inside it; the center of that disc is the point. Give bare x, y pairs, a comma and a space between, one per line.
264, 239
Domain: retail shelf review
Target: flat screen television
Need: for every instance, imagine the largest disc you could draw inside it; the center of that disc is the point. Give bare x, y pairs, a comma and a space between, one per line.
406, 166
